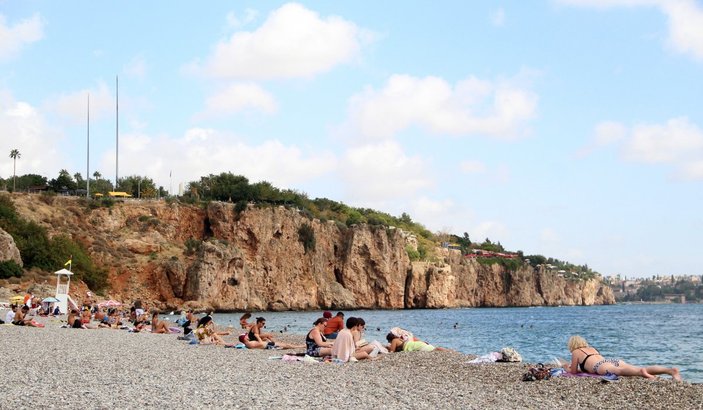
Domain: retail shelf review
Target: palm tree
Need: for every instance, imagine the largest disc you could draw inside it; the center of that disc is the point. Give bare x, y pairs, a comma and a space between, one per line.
97, 175
14, 154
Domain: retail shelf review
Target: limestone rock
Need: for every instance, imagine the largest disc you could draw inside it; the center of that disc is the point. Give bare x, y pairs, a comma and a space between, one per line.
141, 247
8, 249
215, 257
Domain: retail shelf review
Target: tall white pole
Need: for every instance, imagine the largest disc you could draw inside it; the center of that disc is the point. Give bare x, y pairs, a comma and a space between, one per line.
87, 161
117, 129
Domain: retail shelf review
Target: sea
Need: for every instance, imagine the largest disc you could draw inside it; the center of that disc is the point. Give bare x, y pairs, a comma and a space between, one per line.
641, 334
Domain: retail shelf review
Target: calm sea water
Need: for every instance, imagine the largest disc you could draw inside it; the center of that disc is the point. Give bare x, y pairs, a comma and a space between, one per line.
670, 335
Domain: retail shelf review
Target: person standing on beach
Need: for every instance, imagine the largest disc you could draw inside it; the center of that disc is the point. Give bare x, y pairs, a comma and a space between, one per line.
586, 359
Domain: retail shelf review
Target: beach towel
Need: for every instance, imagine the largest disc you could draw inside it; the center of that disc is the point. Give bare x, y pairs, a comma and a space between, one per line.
378, 347
343, 348
487, 358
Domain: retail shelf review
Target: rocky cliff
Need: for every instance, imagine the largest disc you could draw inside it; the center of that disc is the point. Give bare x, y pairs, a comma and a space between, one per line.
8, 249
274, 258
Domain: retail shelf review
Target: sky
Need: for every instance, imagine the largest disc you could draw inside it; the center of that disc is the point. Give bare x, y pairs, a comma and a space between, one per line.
567, 128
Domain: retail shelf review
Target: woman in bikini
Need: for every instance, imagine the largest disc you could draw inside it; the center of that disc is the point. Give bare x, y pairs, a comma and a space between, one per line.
586, 359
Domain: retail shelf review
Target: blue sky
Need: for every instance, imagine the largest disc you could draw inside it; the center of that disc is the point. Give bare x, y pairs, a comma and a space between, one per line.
567, 128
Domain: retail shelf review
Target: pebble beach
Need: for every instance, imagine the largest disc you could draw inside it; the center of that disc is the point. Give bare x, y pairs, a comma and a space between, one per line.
53, 367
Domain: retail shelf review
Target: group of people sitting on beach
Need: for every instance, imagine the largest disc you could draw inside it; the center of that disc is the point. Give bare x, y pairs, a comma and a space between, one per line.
20, 316
330, 338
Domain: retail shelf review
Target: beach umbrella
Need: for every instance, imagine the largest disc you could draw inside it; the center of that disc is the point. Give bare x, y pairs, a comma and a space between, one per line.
109, 304
16, 300
49, 300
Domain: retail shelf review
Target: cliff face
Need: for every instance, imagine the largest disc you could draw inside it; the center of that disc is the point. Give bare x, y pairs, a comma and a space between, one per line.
256, 260
460, 282
8, 249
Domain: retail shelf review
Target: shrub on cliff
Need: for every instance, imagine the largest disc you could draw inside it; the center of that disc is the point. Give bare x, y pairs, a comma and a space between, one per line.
306, 236
63, 248
38, 251
10, 269
193, 246
413, 254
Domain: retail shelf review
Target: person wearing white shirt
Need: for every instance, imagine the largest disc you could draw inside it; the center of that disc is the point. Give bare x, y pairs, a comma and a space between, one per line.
10, 316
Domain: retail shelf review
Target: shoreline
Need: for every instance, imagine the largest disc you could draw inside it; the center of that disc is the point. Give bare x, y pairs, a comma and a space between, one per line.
104, 368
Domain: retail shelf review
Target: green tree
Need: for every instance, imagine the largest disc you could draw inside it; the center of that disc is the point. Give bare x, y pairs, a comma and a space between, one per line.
27, 181
138, 186
64, 182
14, 154
80, 182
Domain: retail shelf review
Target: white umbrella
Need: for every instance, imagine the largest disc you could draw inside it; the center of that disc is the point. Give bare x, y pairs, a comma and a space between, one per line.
50, 300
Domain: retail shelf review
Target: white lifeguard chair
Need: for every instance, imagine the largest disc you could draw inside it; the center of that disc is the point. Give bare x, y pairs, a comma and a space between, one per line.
62, 291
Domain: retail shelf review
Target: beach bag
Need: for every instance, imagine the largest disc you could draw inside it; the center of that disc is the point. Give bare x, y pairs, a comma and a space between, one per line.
510, 355
537, 373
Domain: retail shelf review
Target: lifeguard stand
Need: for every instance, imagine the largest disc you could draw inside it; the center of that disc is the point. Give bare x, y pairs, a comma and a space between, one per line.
62, 290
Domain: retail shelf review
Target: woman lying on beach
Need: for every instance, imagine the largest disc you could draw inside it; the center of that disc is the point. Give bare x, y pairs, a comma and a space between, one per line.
256, 344
316, 345
586, 359
397, 344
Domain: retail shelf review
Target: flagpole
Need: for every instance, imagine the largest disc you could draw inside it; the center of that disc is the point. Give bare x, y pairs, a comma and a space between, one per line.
87, 161
117, 129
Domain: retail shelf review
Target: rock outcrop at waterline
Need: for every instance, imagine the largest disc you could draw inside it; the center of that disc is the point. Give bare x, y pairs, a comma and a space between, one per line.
274, 258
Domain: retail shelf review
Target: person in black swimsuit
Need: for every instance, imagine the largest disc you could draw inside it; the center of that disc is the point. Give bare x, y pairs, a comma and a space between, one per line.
255, 333
586, 359
315, 342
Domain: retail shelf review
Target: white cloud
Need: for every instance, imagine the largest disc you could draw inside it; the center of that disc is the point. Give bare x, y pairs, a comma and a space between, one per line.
685, 26
605, 133
136, 68
498, 18
677, 143
677, 140
293, 42
471, 106
472, 167
685, 19
13, 38
24, 129
609, 132
692, 170
202, 151
73, 106
380, 172
239, 97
